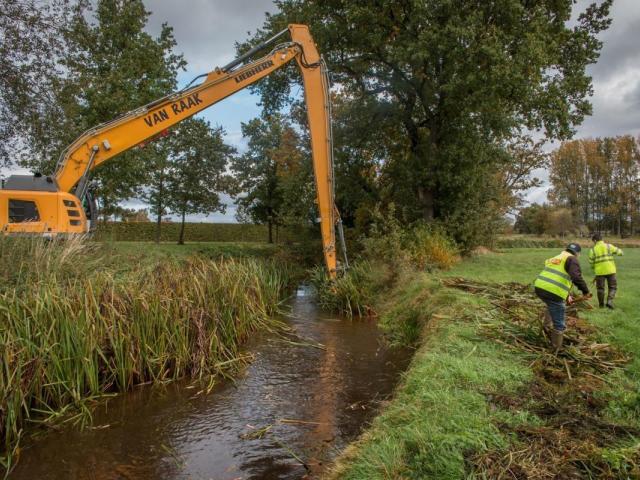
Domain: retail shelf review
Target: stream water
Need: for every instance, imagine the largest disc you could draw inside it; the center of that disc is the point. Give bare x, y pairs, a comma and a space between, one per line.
311, 402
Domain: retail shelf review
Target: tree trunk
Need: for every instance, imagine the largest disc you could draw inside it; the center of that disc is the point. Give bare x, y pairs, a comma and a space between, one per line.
158, 227
619, 227
181, 237
270, 231
426, 201
159, 208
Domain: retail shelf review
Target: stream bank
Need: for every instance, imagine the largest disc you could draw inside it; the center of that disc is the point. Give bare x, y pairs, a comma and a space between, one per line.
303, 398
485, 398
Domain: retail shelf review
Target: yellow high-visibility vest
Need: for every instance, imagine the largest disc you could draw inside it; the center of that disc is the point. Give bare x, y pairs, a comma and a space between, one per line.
554, 277
601, 258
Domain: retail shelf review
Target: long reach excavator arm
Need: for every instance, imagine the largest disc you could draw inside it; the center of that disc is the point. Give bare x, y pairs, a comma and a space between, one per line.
51, 205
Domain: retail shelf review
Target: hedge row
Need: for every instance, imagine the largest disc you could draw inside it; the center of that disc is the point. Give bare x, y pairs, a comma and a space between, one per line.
199, 232
554, 243
530, 243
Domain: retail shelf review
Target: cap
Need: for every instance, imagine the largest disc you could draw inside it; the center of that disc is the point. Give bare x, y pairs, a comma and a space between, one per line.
573, 248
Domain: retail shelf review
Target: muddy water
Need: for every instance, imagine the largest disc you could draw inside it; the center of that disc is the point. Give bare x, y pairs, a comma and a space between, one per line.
314, 400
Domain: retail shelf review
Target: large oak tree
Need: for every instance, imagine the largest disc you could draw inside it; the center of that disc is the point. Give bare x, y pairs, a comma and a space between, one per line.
445, 86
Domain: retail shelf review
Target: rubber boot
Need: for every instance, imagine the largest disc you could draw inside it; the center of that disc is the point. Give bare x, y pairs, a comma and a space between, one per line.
610, 297
601, 298
556, 339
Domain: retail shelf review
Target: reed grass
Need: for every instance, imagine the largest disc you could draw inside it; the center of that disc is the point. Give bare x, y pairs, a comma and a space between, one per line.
77, 322
390, 255
353, 293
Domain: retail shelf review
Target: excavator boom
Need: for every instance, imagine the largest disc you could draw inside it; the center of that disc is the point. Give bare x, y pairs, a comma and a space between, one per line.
99, 144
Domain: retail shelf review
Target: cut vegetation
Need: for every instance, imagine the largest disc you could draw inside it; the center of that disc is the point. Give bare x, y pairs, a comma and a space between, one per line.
486, 398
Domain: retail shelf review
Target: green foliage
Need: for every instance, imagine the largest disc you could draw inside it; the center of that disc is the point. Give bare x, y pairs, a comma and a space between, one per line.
421, 245
443, 89
546, 219
389, 256
78, 321
352, 293
273, 180
357, 158
386, 237
531, 219
430, 248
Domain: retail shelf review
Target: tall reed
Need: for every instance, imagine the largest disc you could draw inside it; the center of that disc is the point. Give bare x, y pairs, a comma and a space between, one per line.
77, 322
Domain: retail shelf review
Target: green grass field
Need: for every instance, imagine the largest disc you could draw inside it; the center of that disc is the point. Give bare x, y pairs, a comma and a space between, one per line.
467, 398
208, 249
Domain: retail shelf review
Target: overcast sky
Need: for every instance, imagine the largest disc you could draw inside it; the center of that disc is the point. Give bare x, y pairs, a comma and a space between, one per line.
206, 31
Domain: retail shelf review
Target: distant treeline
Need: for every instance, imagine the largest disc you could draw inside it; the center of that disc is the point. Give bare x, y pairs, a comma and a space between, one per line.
595, 187
598, 180
200, 232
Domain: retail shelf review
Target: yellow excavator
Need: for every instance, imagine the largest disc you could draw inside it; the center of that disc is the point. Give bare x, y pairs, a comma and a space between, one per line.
52, 205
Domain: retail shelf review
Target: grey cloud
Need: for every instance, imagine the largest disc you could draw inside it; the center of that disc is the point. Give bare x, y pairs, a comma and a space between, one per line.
616, 75
620, 47
206, 30
632, 99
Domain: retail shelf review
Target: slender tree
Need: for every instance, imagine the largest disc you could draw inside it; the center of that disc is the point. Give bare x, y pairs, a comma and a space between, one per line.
197, 172
155, 192
272, 183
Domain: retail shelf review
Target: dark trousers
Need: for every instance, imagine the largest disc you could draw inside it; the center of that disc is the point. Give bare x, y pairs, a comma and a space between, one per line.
612, 286
555, 309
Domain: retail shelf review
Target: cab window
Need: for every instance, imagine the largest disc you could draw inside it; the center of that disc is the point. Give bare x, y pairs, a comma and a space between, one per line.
23, 211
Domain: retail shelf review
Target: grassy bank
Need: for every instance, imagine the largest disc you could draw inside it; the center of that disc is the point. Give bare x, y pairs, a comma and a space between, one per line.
212, 250
79, 320
484, 397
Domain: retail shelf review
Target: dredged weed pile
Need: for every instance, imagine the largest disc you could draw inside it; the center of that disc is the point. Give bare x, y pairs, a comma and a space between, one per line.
573, 435
77, 322
517, 322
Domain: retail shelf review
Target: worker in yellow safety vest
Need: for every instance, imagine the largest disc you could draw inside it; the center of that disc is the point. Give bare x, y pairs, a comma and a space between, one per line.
553, 287
602, 264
